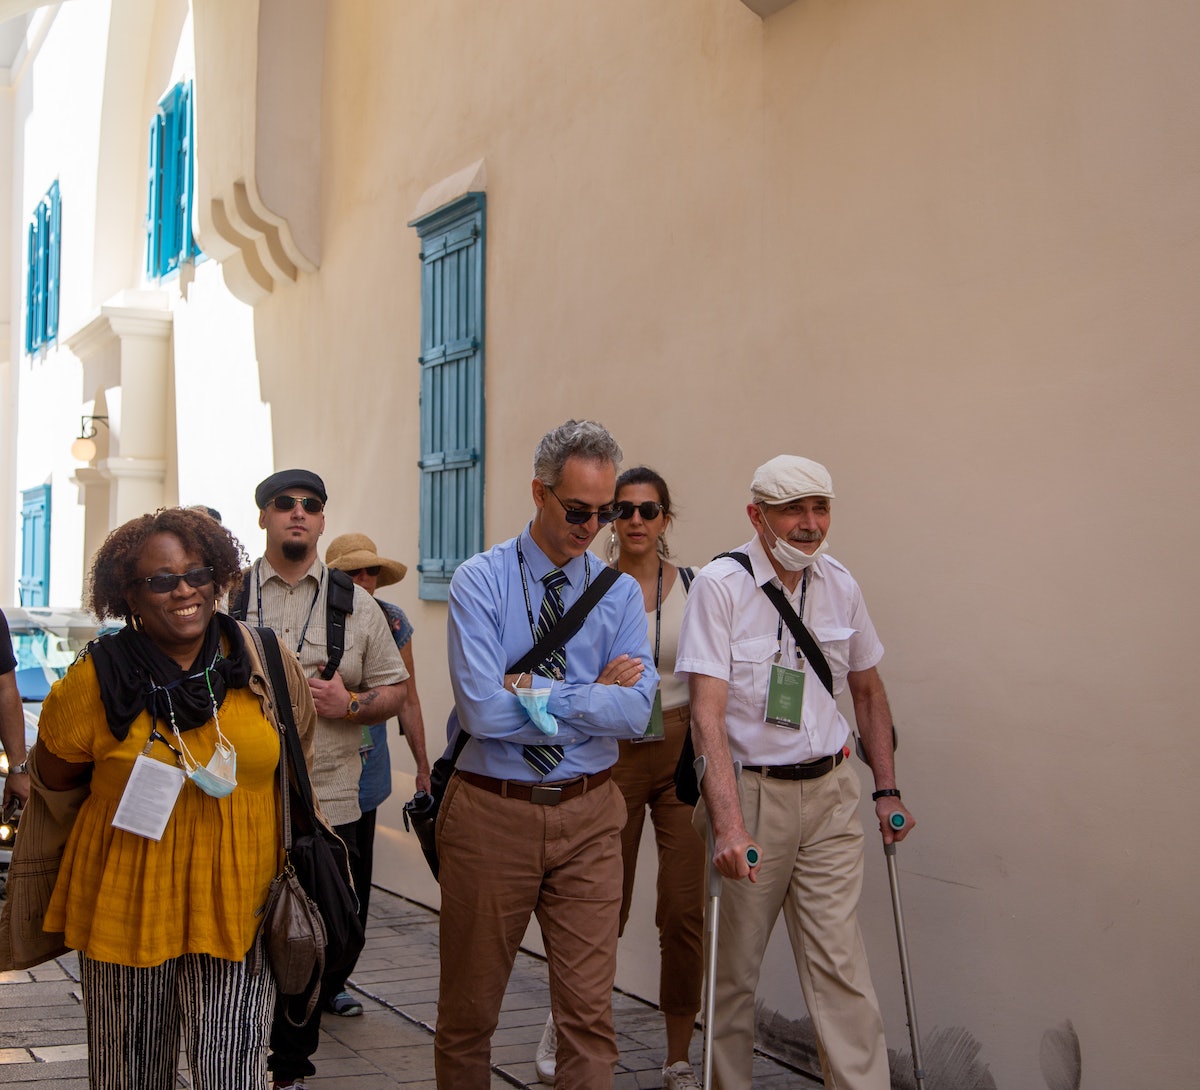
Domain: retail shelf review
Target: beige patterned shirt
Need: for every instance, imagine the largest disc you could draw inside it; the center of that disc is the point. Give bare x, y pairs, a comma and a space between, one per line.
370, 659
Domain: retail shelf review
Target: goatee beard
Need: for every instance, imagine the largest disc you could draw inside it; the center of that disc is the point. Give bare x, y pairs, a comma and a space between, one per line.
295, 551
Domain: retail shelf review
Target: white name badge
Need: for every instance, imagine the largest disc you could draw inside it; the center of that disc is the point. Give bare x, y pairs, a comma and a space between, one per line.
149, 798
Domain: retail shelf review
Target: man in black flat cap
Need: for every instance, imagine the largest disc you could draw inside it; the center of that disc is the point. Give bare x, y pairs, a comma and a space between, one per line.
288, 590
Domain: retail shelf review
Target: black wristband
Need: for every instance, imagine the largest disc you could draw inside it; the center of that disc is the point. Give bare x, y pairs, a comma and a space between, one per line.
887, 792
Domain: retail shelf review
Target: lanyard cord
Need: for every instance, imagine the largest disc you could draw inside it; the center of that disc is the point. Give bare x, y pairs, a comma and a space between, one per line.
311, 605
779, 630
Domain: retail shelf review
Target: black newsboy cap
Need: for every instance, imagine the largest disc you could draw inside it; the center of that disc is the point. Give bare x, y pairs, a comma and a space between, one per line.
288, 478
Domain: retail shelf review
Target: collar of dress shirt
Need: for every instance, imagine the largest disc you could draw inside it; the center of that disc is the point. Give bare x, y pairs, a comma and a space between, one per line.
266, 573
539, 564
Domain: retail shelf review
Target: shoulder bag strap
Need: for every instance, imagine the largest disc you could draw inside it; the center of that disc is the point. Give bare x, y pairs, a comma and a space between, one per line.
284, 793
687, 575
339, 601
268, 644
571, 622
804, 640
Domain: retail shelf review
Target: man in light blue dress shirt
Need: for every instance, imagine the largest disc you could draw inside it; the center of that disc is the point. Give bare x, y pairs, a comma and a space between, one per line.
537, 831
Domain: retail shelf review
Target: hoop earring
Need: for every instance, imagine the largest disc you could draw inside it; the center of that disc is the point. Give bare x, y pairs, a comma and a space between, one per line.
610, 551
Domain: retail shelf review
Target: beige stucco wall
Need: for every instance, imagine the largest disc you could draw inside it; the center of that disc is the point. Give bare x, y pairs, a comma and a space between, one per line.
948, 249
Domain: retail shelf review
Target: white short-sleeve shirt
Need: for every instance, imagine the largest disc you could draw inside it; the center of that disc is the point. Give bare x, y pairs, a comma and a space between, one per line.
731, 631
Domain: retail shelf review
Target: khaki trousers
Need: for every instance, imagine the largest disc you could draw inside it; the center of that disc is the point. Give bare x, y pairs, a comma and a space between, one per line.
503, 860
811, 870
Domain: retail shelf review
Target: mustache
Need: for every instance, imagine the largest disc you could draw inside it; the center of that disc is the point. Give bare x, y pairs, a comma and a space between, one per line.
805, 536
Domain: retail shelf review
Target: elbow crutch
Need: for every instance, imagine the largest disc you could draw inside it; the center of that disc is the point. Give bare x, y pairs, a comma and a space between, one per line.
910, 1003
711, 919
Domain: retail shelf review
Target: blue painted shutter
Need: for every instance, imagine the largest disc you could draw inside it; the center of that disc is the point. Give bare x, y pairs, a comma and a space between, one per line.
35, 546
31, 340
452, 403
188, 195
53, 259
154, 197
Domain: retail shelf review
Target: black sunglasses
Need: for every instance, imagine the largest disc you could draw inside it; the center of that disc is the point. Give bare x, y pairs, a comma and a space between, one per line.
648, 509
581, 516
373, 570
164, 584
310, 504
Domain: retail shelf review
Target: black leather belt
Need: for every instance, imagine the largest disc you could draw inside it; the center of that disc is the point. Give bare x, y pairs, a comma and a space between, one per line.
543, 794
809, 770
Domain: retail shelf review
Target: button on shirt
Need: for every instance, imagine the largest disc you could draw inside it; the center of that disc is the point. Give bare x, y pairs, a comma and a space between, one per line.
488, 631
731, 631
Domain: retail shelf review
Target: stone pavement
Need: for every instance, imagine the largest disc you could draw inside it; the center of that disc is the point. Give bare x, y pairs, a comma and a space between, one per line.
390, 1046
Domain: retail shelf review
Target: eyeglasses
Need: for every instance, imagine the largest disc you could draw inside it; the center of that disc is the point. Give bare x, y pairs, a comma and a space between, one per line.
310, 504
373, 570
164, 584
648, 509
581, 516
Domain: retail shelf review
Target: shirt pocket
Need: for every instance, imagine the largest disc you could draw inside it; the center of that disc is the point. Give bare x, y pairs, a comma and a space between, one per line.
835, 644
750, 670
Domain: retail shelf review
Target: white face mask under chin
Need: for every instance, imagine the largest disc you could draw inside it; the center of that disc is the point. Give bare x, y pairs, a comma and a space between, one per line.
788, 556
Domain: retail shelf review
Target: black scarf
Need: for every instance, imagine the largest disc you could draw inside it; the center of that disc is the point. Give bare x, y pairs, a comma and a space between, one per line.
135, 676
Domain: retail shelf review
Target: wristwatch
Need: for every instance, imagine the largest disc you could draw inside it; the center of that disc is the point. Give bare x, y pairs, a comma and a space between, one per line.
353, 707
20, 770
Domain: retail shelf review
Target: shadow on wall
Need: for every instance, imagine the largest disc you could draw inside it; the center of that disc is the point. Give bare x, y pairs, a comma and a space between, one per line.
950, 1056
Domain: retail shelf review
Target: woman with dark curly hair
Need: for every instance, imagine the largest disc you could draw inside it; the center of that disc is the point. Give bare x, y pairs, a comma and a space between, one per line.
178, 839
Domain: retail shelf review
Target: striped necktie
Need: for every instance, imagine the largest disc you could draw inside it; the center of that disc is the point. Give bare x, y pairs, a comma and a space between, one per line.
544, 759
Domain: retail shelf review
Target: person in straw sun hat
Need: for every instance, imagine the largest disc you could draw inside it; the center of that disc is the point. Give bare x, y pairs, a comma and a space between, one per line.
356, 555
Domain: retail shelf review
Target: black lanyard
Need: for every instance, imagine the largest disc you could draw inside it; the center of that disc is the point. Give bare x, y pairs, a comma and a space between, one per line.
587, 578
311, 605
779, 631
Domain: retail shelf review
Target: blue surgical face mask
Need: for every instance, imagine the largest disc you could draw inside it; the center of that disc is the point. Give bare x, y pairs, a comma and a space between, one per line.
219, 777
535, 702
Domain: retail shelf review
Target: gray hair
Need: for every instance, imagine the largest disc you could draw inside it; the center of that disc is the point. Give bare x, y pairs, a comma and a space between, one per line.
575, 439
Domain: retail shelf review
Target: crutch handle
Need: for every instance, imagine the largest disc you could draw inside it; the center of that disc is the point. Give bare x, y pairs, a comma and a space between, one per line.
897, 821
752, 856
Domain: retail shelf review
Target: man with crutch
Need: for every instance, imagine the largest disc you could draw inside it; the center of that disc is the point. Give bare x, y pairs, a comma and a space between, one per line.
771, 634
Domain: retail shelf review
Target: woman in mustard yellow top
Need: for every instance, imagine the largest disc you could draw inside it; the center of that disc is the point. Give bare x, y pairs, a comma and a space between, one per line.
174, 849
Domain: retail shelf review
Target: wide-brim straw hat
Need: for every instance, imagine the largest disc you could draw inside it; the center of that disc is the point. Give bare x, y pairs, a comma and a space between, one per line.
349, 552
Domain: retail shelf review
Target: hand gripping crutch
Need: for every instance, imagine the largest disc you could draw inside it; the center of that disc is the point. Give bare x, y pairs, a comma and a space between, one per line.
711, 919
910, 1005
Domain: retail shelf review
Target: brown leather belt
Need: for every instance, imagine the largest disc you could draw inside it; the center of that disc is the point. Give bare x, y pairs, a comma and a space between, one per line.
543, 794
809, 770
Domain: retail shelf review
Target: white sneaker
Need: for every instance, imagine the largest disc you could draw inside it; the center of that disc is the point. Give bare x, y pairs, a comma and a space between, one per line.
680, 1076
547, 1049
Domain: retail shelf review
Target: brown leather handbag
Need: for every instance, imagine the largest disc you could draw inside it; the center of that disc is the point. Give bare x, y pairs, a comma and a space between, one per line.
292, 929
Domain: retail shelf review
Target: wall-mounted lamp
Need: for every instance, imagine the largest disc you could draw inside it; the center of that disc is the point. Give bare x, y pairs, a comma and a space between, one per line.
84, 447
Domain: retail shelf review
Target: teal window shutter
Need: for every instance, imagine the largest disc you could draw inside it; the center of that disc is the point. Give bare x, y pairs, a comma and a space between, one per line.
452, 403
172, 184
44, 264
35, 546
53, 260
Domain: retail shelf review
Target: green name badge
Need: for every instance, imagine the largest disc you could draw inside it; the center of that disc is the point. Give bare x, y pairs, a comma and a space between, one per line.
655, 731
785, 697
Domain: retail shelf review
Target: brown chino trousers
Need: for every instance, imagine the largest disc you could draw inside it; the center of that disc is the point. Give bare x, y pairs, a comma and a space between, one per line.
503, 860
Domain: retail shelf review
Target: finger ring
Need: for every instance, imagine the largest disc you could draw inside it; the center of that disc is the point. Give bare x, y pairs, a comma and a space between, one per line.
618, 681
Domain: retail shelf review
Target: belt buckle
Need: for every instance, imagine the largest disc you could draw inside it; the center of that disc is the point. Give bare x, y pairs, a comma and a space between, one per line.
545, 796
